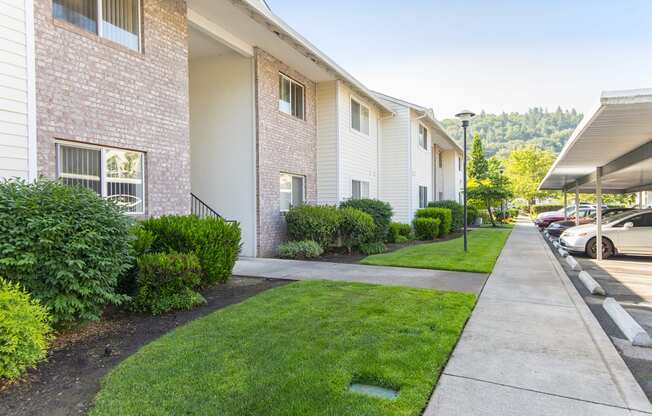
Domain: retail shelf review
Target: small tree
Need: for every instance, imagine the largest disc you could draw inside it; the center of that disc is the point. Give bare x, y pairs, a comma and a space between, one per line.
479, 167
526, 167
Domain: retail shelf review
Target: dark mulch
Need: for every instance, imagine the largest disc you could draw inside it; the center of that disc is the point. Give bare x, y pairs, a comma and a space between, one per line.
341, 256
67, 383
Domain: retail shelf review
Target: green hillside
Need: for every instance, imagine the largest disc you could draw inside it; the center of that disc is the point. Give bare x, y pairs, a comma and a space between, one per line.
503, 132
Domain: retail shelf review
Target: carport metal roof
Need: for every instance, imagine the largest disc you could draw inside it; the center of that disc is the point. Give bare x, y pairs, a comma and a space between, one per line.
615, 140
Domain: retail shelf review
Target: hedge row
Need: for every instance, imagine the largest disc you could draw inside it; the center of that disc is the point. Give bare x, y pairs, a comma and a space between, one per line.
538, 209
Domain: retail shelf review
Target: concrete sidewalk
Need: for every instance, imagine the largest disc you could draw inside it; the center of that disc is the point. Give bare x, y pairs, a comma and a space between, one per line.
532, 347
395, 276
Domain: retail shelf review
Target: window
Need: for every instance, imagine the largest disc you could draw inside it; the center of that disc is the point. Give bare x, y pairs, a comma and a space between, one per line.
440, 197
440, 160
292, 191
459, 163
291, 97
359, 189
120, 19
359, 117
423, 137
423, 197
643, 220
114, 174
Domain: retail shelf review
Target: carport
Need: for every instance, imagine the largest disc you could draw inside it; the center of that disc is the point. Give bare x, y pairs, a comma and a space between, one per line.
609, 152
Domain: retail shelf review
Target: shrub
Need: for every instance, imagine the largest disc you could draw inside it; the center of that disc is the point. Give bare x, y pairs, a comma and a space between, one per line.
356, 227
166, 282
401, 239
215, 242
471, 214
396, 230
65, 245
24, 330
313, 222
538, 209
443, 214
141, 244
372, 248
426, 228
380, 211
306, 249
457, 212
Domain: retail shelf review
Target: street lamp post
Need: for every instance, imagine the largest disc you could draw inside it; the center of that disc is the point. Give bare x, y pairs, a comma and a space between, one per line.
465, 117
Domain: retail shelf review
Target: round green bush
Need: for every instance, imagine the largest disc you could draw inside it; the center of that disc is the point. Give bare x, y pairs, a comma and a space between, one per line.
166, 282
472, 214
356, 227
426, 228
399, 232
306, 249
65, 245
215, 242
380, 211
318, 223
443, 214
457, 212
24, 331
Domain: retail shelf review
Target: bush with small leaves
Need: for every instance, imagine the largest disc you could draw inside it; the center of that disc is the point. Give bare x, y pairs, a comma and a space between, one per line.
396, 230
356, 228
306, 249
65, 245
318, 223
372, 248
166, 282
457, 212
426, 228
24, 331
444, 216
380, 211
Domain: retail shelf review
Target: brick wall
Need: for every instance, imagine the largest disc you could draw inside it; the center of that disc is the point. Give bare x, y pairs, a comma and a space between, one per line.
94, 91
284, 144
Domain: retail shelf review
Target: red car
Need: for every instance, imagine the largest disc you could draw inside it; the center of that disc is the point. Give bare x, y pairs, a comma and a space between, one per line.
546, 218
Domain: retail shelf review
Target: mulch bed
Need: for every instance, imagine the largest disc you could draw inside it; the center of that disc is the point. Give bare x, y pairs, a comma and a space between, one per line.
69, 380
341, 256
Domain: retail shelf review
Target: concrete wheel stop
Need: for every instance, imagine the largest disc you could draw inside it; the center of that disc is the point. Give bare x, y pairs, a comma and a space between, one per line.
627, 325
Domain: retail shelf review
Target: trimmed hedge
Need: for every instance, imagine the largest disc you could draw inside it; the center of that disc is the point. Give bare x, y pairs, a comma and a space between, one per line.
426, 228
24, 331
318, 223
65, 245
356, 227
166, 282
306, 249
380, 211
397, 230
215, 242
372, 248
443, 214
457, 212
538, 209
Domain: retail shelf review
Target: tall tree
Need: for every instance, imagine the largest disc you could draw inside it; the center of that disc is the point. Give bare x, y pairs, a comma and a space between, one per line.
526, 167
478, 166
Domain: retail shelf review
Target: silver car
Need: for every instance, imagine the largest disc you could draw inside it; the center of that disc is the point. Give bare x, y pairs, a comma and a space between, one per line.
629, 233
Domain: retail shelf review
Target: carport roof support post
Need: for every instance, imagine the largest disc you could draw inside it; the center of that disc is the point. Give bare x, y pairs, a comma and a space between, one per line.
598, 210
577, 204
566, 205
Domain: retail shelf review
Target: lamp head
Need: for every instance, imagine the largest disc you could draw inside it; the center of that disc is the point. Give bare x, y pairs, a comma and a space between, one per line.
465, 116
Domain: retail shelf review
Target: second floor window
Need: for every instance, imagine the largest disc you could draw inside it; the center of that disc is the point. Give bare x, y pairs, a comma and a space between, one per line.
119, 20
359, 117
291, 97
423, 136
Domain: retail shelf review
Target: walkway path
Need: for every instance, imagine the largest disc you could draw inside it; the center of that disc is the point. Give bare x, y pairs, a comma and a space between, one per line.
532, 347
396, 276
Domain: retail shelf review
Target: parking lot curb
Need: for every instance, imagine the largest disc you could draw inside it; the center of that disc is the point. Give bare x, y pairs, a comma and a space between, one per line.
627, 325
591, 285
631, 392
570, 260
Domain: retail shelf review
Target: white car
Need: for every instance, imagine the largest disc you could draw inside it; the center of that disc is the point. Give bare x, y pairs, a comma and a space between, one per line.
626, 233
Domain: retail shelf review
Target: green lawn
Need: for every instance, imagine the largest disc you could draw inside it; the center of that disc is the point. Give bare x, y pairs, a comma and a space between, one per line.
294, 350
485, 245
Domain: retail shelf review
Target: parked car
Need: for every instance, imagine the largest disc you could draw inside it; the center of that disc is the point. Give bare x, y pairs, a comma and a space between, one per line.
556, 228
628, 233
546, 218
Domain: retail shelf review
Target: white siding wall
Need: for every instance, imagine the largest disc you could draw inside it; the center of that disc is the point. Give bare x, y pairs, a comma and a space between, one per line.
395, 159
450, 176
222, 140
327, 169
358, 152
421, 163
439, 178
16, 89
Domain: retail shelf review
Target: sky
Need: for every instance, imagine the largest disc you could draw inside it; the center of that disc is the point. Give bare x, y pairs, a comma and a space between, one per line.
487, 55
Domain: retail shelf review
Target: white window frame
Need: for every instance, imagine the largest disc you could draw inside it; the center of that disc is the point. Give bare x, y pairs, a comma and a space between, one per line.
103, 178
361, 105
364, 189
303, 95
423, 203
303, 194
100, 30
423, 141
